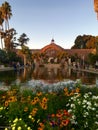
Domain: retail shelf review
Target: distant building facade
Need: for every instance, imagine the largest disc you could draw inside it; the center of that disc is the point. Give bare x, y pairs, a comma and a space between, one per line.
52, 49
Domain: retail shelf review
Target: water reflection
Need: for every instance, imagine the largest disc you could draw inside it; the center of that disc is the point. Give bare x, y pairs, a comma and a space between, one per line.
48, 75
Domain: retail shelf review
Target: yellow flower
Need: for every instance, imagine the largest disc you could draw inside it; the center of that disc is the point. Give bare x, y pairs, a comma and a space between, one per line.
16, 119
1, 108
29, 128
30, 116
13, 128
19, 128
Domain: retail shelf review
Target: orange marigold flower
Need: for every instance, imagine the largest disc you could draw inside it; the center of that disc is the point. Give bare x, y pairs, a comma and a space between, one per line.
39, 93
44, 100
52, 115
3, 97
77, 90
41, 125
33, 102
34, 111
59, 115
65, 89
44, 106
12, 99
25, 109
36, 99
6, 103
66, 113
39, 128
64, 122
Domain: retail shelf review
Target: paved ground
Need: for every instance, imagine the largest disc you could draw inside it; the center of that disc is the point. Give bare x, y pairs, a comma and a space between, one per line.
6, 68
90, 70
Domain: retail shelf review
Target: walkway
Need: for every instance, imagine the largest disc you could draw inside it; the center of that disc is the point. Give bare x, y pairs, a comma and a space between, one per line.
90, 70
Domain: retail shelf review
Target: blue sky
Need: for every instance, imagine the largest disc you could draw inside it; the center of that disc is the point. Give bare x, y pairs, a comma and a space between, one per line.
62, 20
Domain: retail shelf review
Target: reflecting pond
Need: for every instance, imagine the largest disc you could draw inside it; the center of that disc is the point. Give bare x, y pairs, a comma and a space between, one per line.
46, 75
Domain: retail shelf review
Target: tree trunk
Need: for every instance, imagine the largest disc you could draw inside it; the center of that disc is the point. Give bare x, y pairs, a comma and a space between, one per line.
24, 59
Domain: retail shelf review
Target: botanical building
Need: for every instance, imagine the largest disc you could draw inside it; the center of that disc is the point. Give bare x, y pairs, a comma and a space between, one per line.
52, 49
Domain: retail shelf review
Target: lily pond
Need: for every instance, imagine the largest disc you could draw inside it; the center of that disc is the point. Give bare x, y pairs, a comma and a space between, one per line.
43, 76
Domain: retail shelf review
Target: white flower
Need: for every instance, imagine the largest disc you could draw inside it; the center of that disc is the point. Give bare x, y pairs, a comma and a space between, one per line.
96, 122
85, 114
72, 105
67, 104
84, 101
69, 111
89, 103
97, 115
84, 106
95, 97
73, 117
93, 109
89, 107
96, 104
90, 93
86, 95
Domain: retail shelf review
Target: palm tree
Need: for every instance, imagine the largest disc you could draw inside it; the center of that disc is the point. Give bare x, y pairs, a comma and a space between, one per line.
1, 27
23, 40
7, 13
9, 39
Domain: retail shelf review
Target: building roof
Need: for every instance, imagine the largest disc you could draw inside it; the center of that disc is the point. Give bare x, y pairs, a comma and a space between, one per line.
52, 45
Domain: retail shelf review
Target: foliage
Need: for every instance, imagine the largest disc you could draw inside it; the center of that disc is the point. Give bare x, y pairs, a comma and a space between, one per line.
92, 58
9, 57
84, 42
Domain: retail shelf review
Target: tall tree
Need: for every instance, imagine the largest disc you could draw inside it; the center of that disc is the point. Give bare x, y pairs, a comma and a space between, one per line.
9, 39
1, 27
23, 40
7, 13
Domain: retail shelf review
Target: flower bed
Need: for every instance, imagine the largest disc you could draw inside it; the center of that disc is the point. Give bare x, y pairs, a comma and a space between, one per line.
66, 109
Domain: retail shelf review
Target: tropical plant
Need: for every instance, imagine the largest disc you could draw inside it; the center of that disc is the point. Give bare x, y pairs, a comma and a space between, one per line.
7, 13
23, 40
